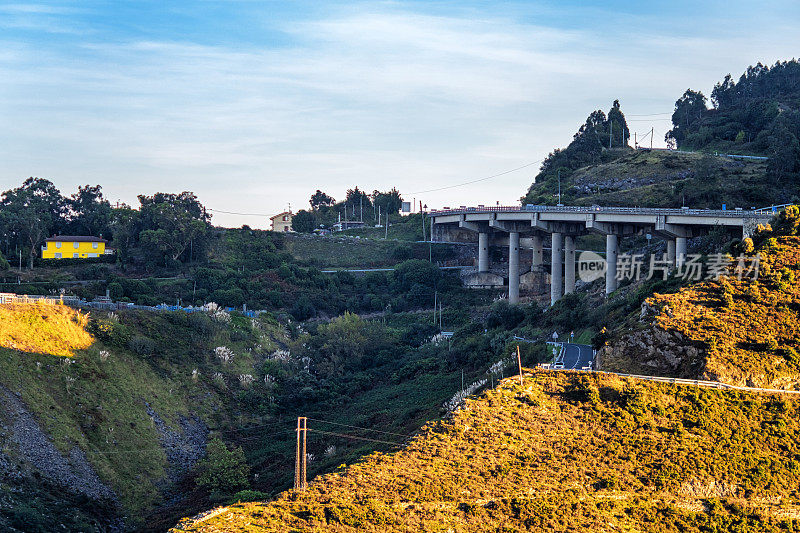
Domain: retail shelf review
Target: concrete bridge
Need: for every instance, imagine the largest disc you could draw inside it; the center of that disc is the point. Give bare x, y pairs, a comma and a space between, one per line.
560, 225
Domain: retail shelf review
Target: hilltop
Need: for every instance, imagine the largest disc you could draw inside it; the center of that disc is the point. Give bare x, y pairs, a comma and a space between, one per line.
564, 452
656, 178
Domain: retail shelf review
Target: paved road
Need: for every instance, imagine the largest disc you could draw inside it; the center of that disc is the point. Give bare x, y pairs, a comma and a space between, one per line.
577, 356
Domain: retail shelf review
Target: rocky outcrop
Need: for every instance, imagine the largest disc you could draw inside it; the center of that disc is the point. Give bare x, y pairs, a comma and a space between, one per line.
36, 452
652, 350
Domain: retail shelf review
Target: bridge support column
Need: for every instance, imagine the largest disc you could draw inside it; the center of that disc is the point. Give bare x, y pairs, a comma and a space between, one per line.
538, 252
569, 264
671, 252
555, 268
513, 267
483, 252
612, 249
680, 251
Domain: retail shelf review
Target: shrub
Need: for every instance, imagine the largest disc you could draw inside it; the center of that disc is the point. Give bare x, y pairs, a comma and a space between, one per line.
224, 471
141, 345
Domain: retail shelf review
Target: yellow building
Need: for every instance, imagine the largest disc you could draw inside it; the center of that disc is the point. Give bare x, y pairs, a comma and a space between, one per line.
74, 247
282, 222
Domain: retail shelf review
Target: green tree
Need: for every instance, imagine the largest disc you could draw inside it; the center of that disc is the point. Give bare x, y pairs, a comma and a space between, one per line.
319, 200
174, 226
224, 471
304, 221
28, 214
125, 227
618, 127
689, 108
89, 212
390, 201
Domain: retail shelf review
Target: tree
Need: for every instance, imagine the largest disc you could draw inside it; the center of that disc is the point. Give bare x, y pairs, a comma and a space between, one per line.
689, 108
172, 224
28, 214
389, 201
618, 127
304, 221
124, 224
90, 213
319, 200
356, 202
224, 471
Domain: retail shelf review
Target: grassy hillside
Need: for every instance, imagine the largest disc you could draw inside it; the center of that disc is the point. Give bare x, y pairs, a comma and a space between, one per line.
742, 332
662, 179
42, 328
564, 452
137, 404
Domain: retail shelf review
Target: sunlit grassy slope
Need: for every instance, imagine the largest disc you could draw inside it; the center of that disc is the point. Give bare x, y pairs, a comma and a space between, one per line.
745, 331
565, 452
43, 328
749, 330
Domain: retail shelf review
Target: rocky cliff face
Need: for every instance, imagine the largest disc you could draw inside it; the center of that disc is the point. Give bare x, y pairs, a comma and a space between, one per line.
651, 350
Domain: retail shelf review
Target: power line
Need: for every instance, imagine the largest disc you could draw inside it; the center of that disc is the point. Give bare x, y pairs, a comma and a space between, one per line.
649, 114
479, 179
235, 213
358, 427
344, 435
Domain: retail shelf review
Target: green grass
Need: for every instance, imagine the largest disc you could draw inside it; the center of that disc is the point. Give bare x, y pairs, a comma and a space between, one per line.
565, 452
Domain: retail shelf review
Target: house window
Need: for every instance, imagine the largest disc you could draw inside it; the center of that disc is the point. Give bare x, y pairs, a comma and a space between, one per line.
58, 245
75, 245
286, 228
95, 245
92, 255
57, 255
285, 218
75, 256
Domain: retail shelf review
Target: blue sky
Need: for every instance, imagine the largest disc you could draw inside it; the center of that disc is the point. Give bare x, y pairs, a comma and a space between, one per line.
254, 105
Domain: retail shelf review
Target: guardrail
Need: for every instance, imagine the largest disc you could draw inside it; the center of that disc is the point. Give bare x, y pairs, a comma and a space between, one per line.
11, 298
693, 382
530, 208
107, 305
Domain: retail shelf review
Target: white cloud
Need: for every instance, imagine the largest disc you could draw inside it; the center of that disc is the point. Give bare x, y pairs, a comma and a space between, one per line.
377, 99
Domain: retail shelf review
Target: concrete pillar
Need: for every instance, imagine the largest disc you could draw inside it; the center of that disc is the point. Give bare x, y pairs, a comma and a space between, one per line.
671, 252
555, 268
483, 252
513, 267
538, 253
680, 251
612, 249
569, 264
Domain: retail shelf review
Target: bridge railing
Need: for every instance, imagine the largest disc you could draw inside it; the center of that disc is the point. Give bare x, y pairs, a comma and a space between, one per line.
530, 208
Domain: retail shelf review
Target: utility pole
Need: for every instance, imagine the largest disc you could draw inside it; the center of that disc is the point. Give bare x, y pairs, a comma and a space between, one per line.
422, 213
635, 144
435, 299
300, 461
651, 137
440, 314
519, 363
361, 207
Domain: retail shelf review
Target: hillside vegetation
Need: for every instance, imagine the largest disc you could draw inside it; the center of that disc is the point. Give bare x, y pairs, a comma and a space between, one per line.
739, 331
43, 328
565, 452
